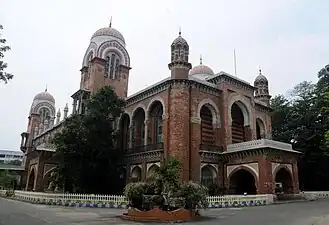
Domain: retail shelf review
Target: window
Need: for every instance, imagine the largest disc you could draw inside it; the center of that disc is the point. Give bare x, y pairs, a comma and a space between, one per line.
44, 115
159, 129
112, 66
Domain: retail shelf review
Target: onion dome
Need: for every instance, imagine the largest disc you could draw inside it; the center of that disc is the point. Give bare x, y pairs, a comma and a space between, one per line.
44, 96
201, 71
107, 32
260, 79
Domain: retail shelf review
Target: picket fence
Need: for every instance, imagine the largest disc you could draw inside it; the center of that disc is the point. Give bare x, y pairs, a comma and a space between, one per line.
120, 201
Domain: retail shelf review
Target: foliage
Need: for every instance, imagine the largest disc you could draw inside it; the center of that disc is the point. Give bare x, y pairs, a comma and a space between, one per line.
85, 147
3, 48
164, 189
302, 118
195, 195
7, 181
10, 193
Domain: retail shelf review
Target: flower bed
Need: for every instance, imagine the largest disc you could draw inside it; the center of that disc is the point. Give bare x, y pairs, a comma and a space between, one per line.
158, 215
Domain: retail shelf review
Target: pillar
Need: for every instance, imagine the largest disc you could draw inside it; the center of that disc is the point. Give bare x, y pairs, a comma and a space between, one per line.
146, 136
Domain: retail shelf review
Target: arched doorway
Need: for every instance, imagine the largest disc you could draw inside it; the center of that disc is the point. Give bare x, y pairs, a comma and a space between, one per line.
260, 129
124, 131
242, 181
138, 128
208, 175
284, 182
238, 132
136, 174
30, 184
207, 132
155, 127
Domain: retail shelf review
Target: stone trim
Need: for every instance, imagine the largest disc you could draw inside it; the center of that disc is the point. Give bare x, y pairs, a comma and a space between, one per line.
213, 109
152, 101
244, 106
250, 167
166, 84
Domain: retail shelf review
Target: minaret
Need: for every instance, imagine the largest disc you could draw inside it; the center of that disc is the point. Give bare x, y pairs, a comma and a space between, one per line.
179, 115
179, 64
58, 116
261, 85
66, 110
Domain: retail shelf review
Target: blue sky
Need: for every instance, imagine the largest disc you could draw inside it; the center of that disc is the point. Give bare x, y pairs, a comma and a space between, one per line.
288, 39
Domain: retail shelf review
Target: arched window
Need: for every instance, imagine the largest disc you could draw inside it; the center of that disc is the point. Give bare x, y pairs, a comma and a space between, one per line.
238, 132
138, 128
44, 115
207, 132
156, 112
112, 65
207, 176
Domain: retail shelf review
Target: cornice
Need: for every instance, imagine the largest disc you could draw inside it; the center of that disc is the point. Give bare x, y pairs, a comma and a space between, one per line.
172, 83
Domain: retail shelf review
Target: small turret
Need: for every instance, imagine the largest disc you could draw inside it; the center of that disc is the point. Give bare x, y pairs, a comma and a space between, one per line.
261, 85
66, 110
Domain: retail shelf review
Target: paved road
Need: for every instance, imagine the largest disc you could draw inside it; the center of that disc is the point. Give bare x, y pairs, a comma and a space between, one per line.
305, 213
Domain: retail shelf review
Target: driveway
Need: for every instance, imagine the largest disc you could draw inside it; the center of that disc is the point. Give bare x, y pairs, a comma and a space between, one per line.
303, 213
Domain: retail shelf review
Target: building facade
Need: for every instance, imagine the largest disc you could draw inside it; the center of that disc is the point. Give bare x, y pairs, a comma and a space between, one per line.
7, 157
216, 125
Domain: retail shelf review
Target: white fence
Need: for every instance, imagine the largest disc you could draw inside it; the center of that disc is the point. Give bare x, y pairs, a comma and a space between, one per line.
315, 195
119, 201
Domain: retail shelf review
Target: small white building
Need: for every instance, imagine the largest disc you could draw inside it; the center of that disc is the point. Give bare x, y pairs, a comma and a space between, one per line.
7, 156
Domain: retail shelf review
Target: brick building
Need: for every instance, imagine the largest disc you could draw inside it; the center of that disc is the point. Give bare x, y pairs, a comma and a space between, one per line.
216, 125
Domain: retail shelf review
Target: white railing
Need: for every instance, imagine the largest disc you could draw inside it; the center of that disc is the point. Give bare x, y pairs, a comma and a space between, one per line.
315, 195
120, 201
261, 143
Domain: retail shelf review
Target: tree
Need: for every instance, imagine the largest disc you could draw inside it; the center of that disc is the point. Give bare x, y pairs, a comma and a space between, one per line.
5, 77
7, 181
85, 147
301, 118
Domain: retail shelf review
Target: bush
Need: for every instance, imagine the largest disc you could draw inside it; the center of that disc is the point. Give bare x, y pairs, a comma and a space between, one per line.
10, 193
195, 195
163, 189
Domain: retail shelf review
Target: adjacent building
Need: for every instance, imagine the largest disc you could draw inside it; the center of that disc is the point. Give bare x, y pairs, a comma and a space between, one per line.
11, 157
216, 125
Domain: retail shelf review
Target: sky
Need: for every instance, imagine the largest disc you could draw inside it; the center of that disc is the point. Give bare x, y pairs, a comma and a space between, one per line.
287, 39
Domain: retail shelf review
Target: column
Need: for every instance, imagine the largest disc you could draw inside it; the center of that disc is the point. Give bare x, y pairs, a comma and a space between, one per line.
146, 136
74, 110
130, 145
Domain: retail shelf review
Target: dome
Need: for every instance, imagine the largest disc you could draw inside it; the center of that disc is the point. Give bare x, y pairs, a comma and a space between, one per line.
201, 71
44, 96
179, 40
260, 78
110, 32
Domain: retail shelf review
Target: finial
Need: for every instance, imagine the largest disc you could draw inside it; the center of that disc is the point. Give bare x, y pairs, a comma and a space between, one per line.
260, 71
46, 88
180, 31
200, 59
111, 22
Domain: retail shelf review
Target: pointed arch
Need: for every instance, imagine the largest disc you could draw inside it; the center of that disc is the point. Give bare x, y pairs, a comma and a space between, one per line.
260, 128
92, 49
214, 111
243, 105
114, 46
153, 100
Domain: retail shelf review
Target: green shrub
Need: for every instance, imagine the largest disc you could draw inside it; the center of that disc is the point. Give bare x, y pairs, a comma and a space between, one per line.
10, 193
134, 193
195, 195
